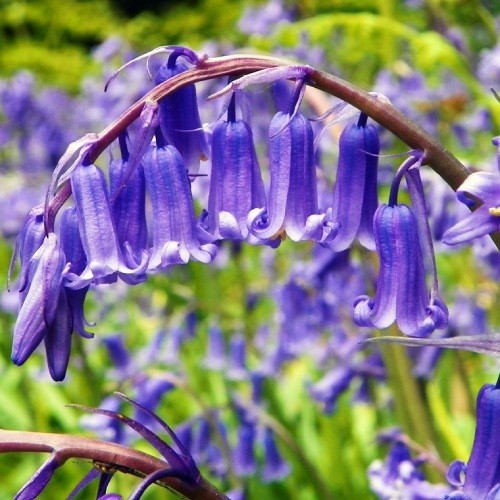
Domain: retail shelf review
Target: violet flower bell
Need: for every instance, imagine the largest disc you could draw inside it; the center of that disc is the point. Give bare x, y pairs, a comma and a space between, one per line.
179, 116
401, 288
39, 303
292, 205
402, 293
485, 187
28, 241
128, 206
355, 196
236, 185
176, 236
105, 261
482, 472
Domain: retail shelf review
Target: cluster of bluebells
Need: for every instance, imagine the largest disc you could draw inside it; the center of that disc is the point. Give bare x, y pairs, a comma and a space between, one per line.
139, 217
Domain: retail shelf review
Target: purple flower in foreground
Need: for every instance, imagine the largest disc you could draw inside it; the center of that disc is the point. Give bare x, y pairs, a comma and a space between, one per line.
175, 233
39, 304
355, 197
485, 187
292, 206
236, 185
179, 116
128, 198
482, 472
105, 261
401, 288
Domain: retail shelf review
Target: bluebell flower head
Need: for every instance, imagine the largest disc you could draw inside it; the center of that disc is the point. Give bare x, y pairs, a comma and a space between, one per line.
485, 188
482, 472
179, 116
58, 338
292, 203
355, 196
39, 304
72, 247
128, 207
105, 261
175, 234
236, 185
29, 240
402, 294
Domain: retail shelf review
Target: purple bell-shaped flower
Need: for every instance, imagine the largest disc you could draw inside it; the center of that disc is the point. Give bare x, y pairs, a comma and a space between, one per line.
236, 185
402, 293
355, 196
175, 232
105, 261
482, 472
39, 304
292, 205
179, 116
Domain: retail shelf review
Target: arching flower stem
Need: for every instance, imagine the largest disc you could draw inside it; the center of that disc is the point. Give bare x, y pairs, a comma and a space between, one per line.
380, 110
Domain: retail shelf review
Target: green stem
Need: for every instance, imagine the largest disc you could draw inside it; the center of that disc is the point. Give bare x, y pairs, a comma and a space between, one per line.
411, 408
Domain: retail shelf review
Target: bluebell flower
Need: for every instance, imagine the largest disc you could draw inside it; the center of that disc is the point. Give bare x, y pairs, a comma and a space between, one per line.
179, 116
71, 245
175, 233
236, 185
49, 310
128, 207
401, 288
355, 196
485, 188
292, 202
39, 303
482, 472
105, 261
29, 240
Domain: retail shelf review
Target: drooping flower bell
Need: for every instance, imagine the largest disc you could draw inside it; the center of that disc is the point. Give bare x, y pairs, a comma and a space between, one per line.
236, 185
482, 472
355, 196
179, 116
105, 261
128, 206
292, 202
28, 241
175, 233
39, 303
402, 294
